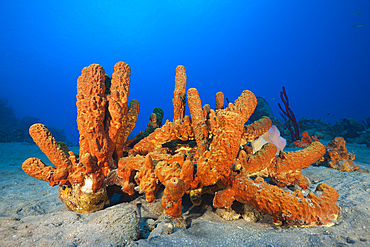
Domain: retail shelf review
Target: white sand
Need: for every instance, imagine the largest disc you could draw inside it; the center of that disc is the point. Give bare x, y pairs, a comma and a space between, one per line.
32, 215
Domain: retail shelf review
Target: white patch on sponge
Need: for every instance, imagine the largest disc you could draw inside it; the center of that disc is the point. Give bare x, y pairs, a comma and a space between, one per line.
258, 144
271, 136
87, 188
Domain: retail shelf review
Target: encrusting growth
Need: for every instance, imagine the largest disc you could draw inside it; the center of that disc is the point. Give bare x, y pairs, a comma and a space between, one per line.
206, 152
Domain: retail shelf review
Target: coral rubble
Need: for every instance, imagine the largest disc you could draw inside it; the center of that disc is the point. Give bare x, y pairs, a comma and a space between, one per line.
206, 152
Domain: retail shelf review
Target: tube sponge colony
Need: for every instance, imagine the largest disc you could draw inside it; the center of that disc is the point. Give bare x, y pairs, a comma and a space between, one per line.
209, 153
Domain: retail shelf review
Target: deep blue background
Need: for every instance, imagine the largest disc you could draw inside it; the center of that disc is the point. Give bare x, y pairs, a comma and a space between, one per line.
308, 46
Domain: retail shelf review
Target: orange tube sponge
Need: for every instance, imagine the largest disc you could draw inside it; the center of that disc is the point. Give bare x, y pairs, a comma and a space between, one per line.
206, 110
287, 168
126, 166
256, 129
147, 180
129, 123
292, 208
212, 122
91, 105
244, 105
117, 107
50, 147
198, 120
257, 164
215, 163
177, 181
103, 122
220, 101
34, 167
170, 131
179, 95
170, 156
102, 119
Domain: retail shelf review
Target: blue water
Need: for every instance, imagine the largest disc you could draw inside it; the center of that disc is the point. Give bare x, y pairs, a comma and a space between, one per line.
308, 46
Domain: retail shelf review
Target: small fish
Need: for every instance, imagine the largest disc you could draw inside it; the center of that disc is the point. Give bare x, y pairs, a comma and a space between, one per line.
358, 13
272, 99
358, 25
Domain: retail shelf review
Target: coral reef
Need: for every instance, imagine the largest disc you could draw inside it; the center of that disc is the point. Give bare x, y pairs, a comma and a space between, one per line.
348, 128
13, 129
364, 138
206, 152
310, 123
366, 123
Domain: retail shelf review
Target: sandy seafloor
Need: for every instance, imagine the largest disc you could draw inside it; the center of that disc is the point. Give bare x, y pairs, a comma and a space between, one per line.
31, 214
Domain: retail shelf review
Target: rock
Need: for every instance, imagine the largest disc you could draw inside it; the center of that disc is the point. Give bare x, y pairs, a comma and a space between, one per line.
117, 225
348, 128
364, 138
250, 214
227, 213
165, 225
